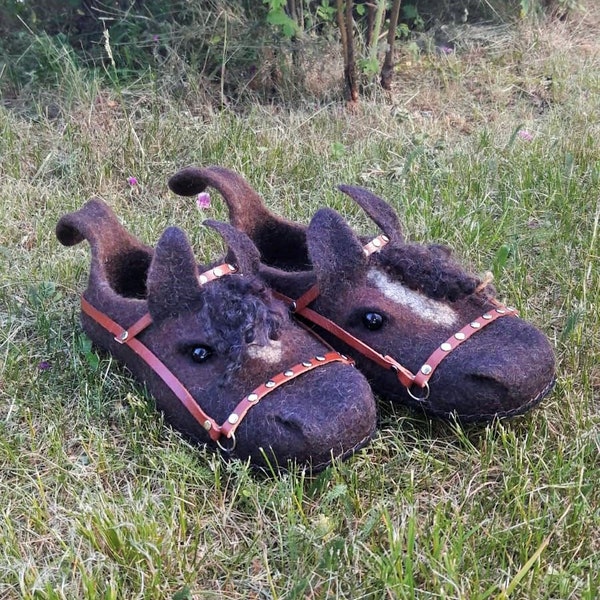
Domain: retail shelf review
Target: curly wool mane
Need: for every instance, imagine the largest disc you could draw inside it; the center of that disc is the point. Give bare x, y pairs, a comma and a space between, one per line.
240, 311
428, 269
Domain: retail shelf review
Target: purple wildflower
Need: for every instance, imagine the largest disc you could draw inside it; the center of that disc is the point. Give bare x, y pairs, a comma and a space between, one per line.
525, 135
44, 365
132, 181
155, 38
203, 200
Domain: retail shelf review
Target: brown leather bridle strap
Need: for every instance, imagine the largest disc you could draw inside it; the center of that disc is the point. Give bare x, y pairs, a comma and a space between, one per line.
454, 341
375, 245
300, 307
228, 428
405, 376
132, 331
216, 272
182, 394
309, 295
215, 431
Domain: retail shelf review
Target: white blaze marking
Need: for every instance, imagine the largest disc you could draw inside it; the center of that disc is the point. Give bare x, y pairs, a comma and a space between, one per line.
424, 307
271, 353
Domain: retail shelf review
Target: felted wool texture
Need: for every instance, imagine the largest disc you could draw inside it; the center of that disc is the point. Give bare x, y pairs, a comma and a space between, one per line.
492, 375
309, 420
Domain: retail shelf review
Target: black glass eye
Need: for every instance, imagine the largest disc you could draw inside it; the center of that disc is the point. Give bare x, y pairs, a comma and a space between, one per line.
372, 321
201, 353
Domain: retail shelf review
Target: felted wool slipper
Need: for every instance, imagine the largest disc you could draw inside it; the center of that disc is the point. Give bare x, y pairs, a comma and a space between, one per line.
221, 357
424, 331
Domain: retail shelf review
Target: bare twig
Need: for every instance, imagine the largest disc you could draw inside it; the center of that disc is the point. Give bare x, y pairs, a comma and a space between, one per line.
346, 25
371, 12
387, 70
351, 74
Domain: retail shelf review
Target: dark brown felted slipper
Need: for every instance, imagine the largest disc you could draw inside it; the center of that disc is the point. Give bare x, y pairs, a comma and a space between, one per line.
221, 356
424, 331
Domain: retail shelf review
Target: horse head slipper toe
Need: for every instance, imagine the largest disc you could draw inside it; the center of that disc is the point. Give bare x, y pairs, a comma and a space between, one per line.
222, 358
425, 332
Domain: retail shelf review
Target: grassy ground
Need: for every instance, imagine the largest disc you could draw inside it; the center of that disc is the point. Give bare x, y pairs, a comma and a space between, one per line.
100, 499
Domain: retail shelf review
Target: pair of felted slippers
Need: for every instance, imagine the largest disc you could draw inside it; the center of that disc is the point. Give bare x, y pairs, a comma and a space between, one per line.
221, 353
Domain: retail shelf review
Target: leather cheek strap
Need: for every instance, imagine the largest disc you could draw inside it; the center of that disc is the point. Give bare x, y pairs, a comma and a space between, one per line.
214, 430
300, 307
405, 377
124, 336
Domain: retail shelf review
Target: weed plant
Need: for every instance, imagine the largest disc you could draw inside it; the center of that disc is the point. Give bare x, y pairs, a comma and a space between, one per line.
493, 150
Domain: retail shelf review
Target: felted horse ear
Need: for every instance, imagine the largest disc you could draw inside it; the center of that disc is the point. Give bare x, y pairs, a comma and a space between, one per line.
377, 209
336, 252
173, 285
242, 250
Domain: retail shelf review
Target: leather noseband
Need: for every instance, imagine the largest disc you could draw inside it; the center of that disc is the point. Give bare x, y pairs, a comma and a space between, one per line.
405, 376
215, 431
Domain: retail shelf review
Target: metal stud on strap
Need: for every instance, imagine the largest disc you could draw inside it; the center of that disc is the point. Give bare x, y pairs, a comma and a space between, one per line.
239, 412
453, 342
127, 335
375, 244
216, 273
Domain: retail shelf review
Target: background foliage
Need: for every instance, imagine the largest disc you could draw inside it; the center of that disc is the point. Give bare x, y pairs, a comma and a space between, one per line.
235, 48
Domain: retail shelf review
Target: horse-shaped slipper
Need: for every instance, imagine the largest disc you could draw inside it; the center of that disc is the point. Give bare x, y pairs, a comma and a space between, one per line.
424, 331
221, 357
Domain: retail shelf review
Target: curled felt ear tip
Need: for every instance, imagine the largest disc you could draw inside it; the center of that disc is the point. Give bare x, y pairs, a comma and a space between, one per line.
187, 182
377, 209
67, 235
88, 222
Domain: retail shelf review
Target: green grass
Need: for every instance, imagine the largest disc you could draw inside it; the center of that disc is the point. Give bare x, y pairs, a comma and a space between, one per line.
100, 499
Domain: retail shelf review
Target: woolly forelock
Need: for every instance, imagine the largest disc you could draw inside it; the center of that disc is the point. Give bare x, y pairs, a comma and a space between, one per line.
428, 269
240, 312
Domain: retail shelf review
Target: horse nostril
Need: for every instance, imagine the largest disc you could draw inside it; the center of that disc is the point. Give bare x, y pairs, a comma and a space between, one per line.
292, 427
490, 384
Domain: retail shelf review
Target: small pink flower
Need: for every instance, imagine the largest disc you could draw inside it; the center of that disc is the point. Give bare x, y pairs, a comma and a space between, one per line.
203, 200
132, 181
155, 38
525, 135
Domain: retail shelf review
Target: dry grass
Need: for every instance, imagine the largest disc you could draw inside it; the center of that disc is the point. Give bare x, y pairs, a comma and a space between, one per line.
101, 500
